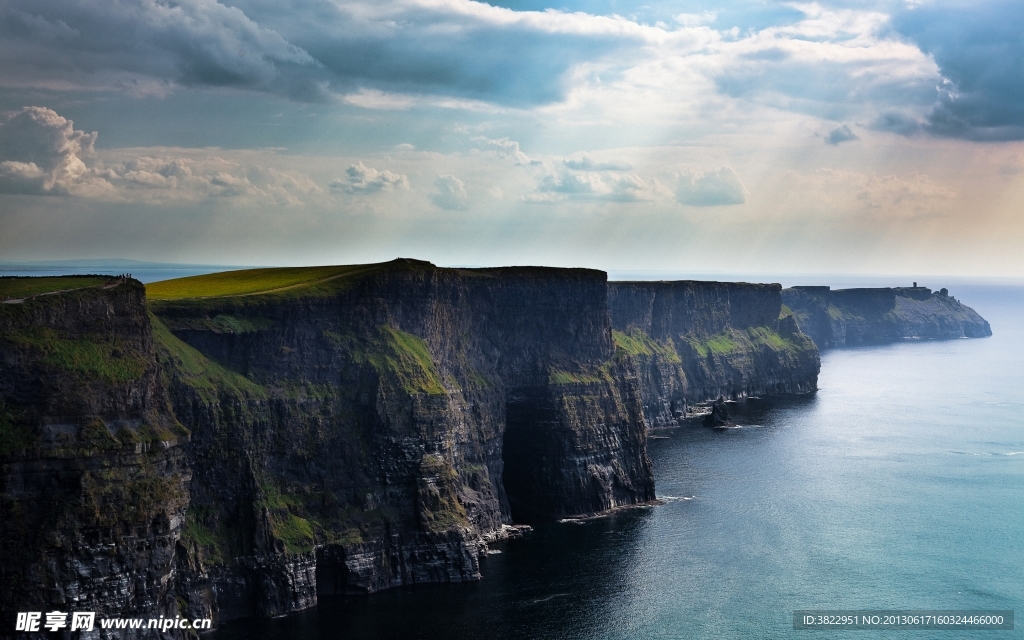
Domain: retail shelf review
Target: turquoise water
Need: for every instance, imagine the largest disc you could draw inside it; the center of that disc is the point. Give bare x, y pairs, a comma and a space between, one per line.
899, 485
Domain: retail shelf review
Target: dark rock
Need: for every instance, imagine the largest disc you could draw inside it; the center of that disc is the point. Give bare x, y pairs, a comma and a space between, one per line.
719, 415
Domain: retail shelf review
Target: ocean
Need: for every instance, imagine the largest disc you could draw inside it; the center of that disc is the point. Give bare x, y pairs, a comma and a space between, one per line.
898, 485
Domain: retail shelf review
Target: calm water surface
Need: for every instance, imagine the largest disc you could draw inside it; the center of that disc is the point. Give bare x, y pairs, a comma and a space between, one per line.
899, 485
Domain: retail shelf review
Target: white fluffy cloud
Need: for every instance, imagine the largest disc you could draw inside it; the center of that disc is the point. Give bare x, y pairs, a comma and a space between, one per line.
583, 162
41, 153
451, 193
506, 148
711, 189
362, 179
583, 179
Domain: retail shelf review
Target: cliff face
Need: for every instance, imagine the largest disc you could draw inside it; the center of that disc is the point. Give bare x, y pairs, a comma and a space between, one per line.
370, 432
93, 478
873, 316
241, 450
695, 341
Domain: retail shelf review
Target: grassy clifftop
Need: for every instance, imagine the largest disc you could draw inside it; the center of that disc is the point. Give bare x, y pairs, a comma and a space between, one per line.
277, 280
25, 287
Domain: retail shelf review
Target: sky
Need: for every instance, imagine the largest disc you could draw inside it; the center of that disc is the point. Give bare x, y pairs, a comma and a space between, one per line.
857, 136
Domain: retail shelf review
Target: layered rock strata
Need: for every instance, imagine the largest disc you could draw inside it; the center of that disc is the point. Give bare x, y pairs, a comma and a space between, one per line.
382, 425
93, 473
873, 316
695, 341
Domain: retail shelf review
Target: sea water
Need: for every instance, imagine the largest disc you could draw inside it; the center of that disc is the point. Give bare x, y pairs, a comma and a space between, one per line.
898, 485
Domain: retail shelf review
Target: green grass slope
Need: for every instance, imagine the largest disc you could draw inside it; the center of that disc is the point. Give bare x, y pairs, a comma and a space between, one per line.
248, 282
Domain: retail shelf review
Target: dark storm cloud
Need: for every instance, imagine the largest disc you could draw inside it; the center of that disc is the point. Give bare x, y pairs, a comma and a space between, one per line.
303, 49
137, 45
468, 50
980, 51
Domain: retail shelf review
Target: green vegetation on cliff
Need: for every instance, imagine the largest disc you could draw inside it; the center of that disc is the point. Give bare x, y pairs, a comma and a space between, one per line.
637, 343
196, 370
439, 505
396, 355
23, 287
735, 341
104, 356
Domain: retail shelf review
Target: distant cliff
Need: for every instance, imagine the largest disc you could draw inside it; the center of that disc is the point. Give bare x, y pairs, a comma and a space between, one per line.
872, 316
695, 341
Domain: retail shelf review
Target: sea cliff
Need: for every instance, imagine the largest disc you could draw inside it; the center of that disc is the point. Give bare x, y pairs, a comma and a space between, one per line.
352, 429
374, 430
846, 317
696, 341
236, 444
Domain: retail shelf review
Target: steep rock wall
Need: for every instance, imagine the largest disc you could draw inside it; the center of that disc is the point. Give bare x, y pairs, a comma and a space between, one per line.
696, 341
368, 434
874, 316
93, 477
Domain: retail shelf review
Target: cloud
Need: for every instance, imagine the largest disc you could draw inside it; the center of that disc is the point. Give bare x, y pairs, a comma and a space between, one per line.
915, 192
586, 163
870, 196
308, 49
506, 148
41, 153
833, 63
144, 46
450, 194
840, 134
900, 123
161, 179
562, 184
363, 179
711, 189
980, 52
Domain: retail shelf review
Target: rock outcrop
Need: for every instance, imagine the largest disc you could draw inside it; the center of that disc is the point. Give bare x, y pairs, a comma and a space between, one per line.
93, 474
695, 341
842, 317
